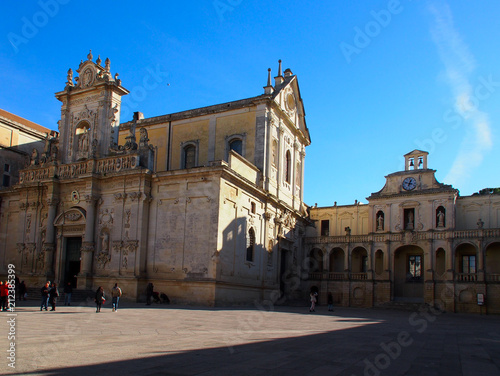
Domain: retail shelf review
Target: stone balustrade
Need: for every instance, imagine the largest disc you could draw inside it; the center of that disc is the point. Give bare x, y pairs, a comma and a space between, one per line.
74, 170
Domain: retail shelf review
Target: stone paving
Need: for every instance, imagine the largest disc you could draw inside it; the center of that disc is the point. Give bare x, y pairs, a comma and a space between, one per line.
176, 340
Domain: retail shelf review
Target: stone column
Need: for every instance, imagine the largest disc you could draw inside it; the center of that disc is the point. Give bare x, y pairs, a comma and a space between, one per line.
88, 245
49, 244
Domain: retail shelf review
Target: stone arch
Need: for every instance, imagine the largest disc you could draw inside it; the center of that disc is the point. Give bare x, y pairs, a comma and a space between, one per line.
359, 260
409, 273
315, 260
492, 258
440, 261
337, 260
466, 256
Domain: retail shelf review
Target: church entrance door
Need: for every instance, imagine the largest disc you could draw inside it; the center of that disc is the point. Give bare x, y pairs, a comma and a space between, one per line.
72, 260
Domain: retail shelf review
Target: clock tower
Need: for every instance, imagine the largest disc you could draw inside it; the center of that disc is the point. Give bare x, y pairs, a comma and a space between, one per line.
413, 200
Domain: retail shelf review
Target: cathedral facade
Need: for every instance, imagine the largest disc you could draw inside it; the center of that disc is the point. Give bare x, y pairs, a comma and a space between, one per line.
211, 211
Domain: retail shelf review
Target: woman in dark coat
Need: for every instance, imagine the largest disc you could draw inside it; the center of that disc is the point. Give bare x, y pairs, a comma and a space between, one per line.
53, 295
99, 298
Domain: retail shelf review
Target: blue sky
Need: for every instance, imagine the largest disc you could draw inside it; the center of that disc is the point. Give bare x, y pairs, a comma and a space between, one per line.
378, 78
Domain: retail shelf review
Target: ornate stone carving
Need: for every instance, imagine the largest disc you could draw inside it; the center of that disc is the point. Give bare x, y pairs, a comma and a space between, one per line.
106, 218
40, 260
117, 245
103, 258
73, 216
87, 247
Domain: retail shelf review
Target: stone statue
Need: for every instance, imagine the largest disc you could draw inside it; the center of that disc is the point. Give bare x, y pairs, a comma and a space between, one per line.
83, 142
380, 222
440, 216
480, 224
144, 135
34, 157
410, 221
104, 242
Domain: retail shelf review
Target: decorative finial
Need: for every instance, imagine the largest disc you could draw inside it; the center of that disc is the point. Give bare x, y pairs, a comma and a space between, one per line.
108, 63
98, 61
70, 77
89, 56
116, 76
268, 89
280, 74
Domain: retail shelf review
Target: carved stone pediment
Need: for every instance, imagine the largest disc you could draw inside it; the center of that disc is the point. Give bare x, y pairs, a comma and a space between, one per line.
74, 216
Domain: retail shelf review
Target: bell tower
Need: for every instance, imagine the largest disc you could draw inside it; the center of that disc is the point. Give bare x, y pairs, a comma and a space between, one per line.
416, 160
90, 111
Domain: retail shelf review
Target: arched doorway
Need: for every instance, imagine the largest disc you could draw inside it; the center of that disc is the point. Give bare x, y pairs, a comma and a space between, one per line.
409, 274
337, 260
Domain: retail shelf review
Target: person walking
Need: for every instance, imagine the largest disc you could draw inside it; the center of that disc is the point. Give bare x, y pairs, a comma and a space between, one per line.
149, 293
53, 295
329, 300
99, 298
116, 293
4, 295
313, 301
23, 290
45, 295
68, 290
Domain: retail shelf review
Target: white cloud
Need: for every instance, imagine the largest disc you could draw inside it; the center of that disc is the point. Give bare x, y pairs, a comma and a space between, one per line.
459, 64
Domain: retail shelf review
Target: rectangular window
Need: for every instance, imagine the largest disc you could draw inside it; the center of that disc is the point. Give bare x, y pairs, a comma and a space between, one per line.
415, 267
468, 264
6, 181
6, 168
325, 228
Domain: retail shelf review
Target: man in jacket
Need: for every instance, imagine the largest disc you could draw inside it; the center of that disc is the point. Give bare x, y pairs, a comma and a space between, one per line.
116, 293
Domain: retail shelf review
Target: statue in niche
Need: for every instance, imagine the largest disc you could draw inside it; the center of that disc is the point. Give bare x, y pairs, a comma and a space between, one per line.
410, 221
104, 242
83, 142
440, 216
380, 222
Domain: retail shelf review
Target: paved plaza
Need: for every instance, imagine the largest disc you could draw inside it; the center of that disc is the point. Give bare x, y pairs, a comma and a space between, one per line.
176, 340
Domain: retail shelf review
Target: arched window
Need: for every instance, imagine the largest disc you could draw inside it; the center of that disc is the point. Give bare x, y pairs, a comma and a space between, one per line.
250, 245
288, 167
189, 156
237, 146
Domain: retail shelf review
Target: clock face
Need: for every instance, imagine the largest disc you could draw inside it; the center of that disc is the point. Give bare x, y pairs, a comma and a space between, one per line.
409, 184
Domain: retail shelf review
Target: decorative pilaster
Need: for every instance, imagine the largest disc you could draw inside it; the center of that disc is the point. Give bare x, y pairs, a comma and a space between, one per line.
88, 245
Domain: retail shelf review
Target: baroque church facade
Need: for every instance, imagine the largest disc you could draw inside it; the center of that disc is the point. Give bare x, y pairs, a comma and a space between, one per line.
207, 205
211, 212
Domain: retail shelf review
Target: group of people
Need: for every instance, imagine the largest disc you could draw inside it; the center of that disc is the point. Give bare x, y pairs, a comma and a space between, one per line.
100, 298
314, 299
50, 293
20, 292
